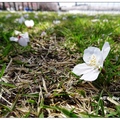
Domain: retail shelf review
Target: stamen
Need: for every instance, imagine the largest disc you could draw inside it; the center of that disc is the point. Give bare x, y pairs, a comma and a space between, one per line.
19, 37
93, 60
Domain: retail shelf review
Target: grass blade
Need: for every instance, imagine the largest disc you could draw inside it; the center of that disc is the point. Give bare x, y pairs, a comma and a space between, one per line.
2, 71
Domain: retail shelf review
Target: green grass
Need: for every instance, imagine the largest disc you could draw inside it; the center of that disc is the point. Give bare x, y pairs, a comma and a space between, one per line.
36, 80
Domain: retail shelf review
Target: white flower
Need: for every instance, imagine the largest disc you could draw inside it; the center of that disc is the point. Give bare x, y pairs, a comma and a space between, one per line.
94, 59
14, 39
56, 21
29, 23
105, 20
22, 39
95, 20
21, 19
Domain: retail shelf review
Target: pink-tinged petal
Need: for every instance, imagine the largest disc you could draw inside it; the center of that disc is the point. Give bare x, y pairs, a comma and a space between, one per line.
82, 69
23, 41
105, 50
25, 35
14, 39
91, 75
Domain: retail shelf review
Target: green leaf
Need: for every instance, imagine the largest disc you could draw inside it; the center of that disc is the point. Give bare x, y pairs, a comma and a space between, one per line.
6, 50
41, 115
82, 92
67, 112
31, 101
5, 37
7, 84
102, 107
118, 110
31, 95
26, 115
2, 71
5, 107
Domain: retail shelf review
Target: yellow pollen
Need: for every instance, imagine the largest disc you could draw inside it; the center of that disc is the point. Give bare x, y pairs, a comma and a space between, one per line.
93, 60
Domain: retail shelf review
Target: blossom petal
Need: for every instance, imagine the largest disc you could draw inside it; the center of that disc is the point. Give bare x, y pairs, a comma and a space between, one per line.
91, 76
14, 39
82, 69
21, 20
23, 41
29, 23
105, 50
17, 32
93, 51
25, 35
90, 51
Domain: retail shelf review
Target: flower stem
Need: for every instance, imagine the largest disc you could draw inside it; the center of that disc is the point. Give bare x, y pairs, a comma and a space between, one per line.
103, 71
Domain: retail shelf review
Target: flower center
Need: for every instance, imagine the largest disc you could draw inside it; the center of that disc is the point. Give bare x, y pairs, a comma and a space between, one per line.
19, 37
93, 60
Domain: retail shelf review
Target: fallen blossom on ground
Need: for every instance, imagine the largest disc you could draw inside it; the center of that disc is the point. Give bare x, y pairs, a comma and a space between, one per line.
94, 59
22, 39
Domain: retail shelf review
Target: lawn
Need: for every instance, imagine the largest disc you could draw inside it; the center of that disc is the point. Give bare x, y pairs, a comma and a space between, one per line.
36, 80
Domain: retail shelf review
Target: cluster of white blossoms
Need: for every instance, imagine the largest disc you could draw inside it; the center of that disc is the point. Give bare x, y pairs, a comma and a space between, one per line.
28, 23
94, 59
22, 38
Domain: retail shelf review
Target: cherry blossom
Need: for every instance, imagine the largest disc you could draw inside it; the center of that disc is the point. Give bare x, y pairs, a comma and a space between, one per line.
22, 39
94, 59
29, 23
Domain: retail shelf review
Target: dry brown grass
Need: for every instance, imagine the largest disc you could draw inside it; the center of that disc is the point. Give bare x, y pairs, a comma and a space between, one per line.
42, 77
